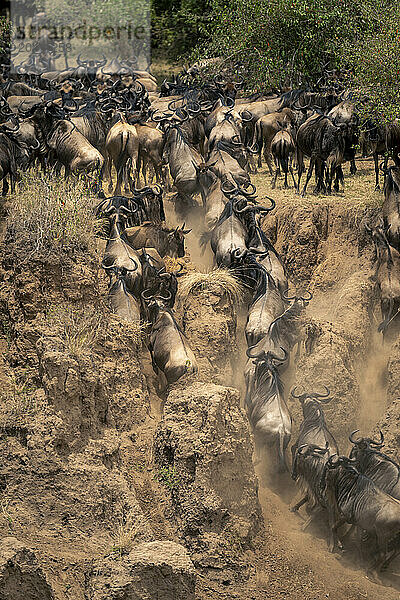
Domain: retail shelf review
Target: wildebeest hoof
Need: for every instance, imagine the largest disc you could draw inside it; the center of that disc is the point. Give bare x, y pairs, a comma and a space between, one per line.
377, 188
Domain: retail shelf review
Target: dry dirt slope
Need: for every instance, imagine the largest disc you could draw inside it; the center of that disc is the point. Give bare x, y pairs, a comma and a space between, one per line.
90, 475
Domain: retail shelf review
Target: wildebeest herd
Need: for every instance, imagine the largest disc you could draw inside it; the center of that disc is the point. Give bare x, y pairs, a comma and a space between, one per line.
196, 137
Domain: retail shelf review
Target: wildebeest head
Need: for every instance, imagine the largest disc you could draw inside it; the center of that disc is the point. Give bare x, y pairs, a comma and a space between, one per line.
176, 241
311, 403
153, 302
305, 451
364, 444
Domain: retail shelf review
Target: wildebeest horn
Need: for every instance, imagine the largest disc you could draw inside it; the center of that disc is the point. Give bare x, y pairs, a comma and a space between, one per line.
351, 437
368, 228
266, 208
274, 357
250, 355
323, 396
36, 147
236, 141
246, 192
167, 297
295, 395
8, 129
79, 61
157, 189
331, 463
238, 84
239, 254
378, 443
306, 298
172, 103
233, 189
146, 295
288, 298
246, 119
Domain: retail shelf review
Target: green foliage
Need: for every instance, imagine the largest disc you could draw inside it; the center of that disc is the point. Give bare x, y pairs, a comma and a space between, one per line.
376, 71
288, 42
178, 26
168, 477
5, 30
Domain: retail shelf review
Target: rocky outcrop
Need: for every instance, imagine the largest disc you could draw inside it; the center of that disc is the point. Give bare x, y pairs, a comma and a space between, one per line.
203, 452
210, 325
21, 577
160, 569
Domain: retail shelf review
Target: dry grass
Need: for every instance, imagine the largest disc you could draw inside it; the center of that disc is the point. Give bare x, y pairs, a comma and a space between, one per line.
48, 214
89, 329
219, 281
79, 327
125, 535
18, 402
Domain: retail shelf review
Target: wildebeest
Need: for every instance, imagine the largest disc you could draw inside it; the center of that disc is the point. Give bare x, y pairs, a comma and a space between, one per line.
13, 154
122, 302
170, 351
66, 143
381, 140
166, 241
265, 130
391, 206
387, 277
283, 151
379, 467
151, 146
122, 146
267, 410
345, 112
267, 256
228, 162
266, 306
229, 234
182, 159
313, 434
119, 253
325, 144
355, 499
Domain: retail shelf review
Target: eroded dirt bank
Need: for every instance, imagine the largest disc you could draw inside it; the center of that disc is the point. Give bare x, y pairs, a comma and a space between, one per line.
92, 475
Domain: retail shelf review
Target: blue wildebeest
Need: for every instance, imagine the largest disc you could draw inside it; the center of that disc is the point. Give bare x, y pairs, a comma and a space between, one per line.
317, 444
379, 467
267, 410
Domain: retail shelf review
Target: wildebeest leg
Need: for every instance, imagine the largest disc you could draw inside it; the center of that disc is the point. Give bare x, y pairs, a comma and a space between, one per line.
107, 173
353, 167
291, 172
375, 155
275, 177
338, 178
268, 159
330, 171
310, 170
286, 173
320, 172
120, 178
5, 187
299, 504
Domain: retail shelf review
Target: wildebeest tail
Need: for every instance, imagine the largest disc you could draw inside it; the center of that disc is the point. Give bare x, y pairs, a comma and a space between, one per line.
123, 156
282, 154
